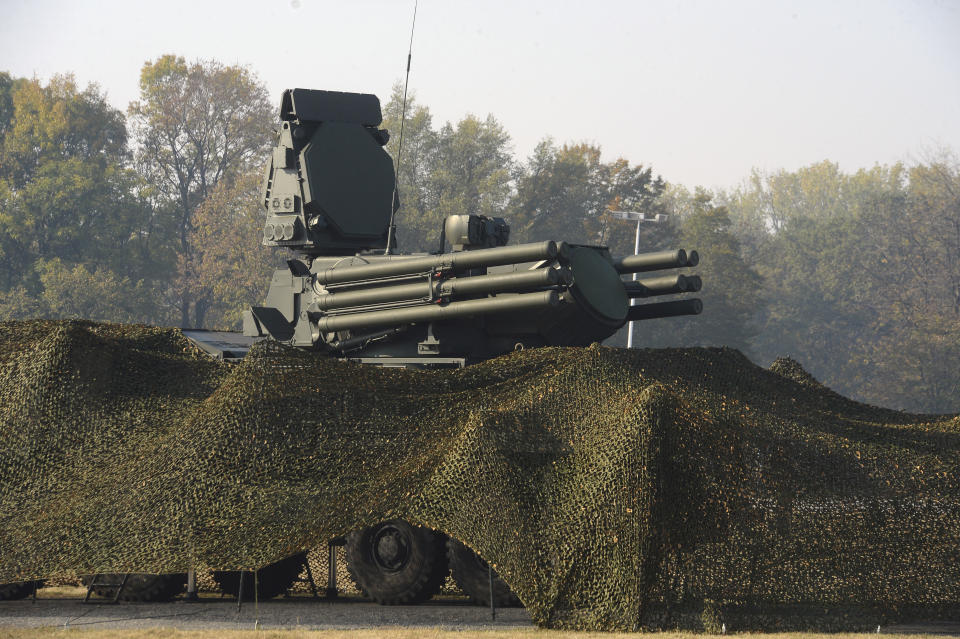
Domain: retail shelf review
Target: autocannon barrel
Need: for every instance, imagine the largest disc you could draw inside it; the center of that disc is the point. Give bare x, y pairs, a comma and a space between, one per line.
665, 285
437, 312
664, 309
655, 261
459, 260
479, 284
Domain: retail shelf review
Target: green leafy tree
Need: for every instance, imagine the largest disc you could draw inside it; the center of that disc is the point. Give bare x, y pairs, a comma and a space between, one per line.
79, 291
65, 192
195, 125
416, 220
631, 188
457, 170
806, 233
471, 173
58, 121
730, 290
568, 193
7, 86
557, 191
860, 277
94, 293
912, 245
62, 172
232, 267
19, 303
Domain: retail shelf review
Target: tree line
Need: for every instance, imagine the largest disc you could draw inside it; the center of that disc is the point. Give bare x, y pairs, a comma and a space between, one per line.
154, 216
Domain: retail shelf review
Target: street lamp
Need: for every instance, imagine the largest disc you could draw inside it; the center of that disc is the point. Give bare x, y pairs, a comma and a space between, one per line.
637, 217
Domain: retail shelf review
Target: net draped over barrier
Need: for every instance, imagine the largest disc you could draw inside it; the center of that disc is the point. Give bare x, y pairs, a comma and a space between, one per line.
602, 483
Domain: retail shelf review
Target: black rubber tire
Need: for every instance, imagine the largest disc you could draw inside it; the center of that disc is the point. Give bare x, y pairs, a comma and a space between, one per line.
141, 587
18, 590
470, 573
396, 563
272, 580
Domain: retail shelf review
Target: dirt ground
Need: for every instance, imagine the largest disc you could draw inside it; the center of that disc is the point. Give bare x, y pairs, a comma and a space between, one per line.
214, 613
381, 633
60, 612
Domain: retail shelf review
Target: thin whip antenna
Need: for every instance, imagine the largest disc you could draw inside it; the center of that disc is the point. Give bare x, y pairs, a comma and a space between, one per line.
403, 118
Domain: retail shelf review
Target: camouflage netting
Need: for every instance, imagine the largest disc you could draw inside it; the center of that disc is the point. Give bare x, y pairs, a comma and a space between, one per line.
604, 484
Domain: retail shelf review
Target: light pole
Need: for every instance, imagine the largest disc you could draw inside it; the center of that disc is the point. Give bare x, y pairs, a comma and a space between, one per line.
638, 217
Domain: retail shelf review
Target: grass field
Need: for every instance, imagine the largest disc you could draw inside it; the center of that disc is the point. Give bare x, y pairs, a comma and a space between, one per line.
389, 633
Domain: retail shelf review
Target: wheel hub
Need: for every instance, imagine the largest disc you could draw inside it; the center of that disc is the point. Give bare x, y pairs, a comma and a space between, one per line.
391, 549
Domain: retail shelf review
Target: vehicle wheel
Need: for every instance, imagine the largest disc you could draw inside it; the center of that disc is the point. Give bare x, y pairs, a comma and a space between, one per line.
141, 586
396, 563
272, 580
18, 590
470, 573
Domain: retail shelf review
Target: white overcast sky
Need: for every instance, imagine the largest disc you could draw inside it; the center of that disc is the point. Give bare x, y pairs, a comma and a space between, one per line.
701, 91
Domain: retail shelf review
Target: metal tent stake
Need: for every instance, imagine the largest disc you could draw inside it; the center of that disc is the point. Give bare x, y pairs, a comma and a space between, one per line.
256, 601
331, 591
493, 609
191, 585
313, 584
240, 593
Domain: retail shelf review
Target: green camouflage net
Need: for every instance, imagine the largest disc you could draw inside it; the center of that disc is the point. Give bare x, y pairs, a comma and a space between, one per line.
608, 487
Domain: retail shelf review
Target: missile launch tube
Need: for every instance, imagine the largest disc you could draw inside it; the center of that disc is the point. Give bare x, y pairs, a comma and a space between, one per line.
665, 285
508, 282
664, 309
479, 284
436, 312
458, 260
651, 261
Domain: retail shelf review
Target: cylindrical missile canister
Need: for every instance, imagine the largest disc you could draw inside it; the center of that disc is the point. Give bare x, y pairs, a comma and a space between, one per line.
506, 283
459, 260
437, 312
477, 285
651, 261
665, 309
665, 285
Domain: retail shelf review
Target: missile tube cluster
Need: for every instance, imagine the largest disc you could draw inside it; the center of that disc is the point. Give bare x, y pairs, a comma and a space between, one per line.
404, 290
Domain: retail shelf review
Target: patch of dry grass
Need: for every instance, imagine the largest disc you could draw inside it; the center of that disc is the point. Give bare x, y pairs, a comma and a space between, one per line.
61, 592
392, 633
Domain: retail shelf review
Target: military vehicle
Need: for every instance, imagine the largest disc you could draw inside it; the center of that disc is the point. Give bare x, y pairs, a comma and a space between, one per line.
330, 196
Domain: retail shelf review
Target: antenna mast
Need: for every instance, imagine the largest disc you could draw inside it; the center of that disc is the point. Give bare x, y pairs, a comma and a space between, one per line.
403, 118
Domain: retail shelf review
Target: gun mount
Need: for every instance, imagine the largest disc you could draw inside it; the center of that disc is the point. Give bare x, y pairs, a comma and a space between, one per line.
329, 192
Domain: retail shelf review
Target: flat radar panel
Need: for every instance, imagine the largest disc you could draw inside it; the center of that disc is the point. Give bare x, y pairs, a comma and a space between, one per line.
350, 178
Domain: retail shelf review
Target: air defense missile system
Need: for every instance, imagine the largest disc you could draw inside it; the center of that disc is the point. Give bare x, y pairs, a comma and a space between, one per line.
329, 194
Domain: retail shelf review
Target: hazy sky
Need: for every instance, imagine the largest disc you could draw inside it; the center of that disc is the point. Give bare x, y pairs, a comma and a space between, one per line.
700, 91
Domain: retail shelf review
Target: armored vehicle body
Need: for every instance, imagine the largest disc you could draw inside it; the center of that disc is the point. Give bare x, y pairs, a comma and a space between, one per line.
329, 194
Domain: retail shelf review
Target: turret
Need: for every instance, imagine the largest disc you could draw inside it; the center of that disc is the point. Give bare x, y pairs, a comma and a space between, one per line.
329, 193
